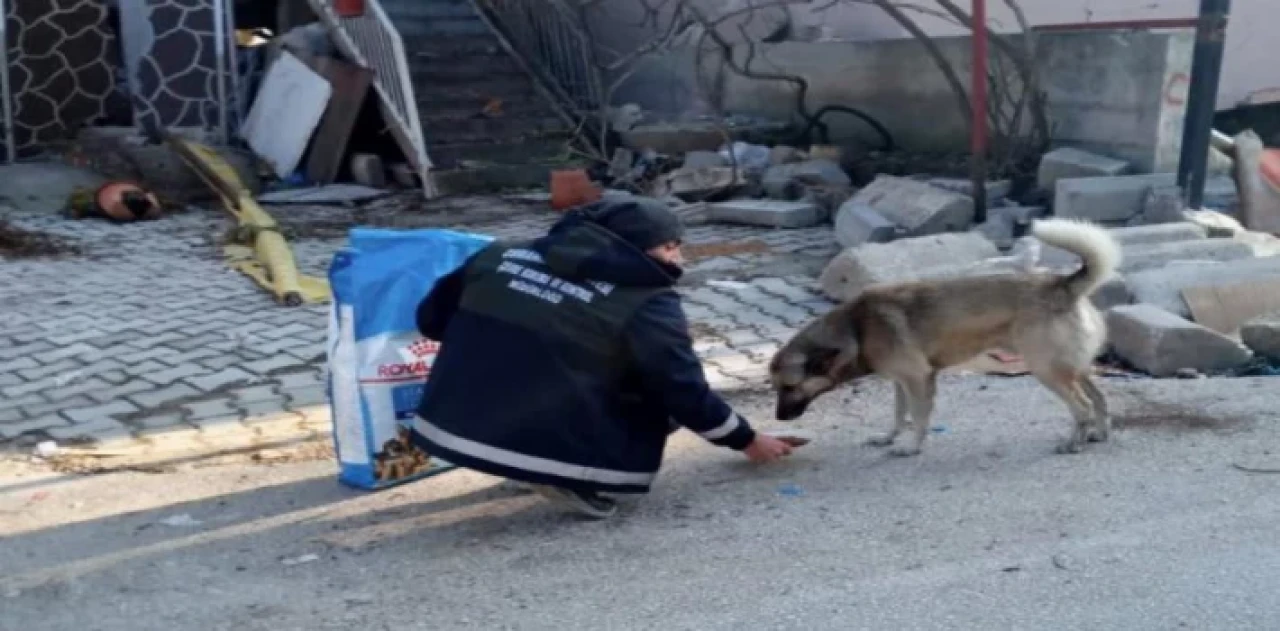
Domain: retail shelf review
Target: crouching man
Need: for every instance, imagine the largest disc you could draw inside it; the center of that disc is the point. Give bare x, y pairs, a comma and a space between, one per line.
566, 362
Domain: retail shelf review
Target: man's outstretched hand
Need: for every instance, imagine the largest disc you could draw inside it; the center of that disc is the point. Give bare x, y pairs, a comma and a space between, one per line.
766, 448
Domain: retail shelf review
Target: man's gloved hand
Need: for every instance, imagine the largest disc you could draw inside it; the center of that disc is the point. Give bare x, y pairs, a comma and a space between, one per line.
766, 448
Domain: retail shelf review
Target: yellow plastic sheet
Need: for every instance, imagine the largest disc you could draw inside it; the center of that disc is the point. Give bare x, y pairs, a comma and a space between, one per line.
269, 262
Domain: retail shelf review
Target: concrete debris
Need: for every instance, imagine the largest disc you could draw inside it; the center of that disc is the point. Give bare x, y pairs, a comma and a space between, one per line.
620, 167
752, 158
1159, 233
788, 181
1259, 199
1262, 336
917, 207
1261, 243
769, 213
1215, 223
699, 159
1162, 204
854, 269
1155, 255
1162, 287
1066, 163
857, 223
1115, 201
1113, 293
1161, 343
996, 191
697, 184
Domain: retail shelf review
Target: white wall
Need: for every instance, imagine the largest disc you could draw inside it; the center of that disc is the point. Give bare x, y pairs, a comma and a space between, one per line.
1251, 49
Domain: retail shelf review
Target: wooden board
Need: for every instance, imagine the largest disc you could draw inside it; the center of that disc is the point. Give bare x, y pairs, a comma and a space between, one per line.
1226, 308
351, 85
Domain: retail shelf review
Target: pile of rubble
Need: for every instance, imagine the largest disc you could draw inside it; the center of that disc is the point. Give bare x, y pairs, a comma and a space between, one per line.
1198, 291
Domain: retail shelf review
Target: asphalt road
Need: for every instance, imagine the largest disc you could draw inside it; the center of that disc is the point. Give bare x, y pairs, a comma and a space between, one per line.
988, 529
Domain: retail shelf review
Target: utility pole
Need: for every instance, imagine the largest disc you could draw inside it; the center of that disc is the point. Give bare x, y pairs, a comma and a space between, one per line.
1202, 97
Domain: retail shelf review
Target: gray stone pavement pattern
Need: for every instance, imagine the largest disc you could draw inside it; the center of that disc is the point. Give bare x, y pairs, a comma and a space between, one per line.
150, 332
988, 529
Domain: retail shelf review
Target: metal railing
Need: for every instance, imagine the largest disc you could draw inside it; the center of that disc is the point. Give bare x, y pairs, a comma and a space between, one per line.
371, 40
553, 40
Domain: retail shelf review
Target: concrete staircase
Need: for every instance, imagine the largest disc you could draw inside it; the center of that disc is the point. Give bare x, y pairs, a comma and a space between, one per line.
458, 68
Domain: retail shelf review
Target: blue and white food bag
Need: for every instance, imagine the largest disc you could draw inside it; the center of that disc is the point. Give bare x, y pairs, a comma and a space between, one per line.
378, 362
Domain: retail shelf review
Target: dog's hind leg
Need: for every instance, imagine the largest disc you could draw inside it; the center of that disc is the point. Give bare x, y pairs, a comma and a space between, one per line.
920, 393
1101, 415
1066, 384
899, 419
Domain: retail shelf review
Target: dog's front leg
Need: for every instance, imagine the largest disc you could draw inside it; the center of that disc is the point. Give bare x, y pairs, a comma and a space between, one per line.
899, 419
920, 394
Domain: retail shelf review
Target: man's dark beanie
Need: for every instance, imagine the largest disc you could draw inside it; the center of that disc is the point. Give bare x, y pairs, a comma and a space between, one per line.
641, 221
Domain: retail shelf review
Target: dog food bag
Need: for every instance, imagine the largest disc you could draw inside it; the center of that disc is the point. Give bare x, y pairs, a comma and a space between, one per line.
378, 363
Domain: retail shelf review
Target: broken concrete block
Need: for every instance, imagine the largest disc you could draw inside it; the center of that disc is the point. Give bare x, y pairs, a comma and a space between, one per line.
996, 191
697, 184
1259, 197
368, 169
1159, 233
1155, 255
1067, 163
1163, 286
1106, 200
770, 213
1113, 293
1215, 223
694, 214
856, 224
1262, 336
699, 159
1261, 243
781, 177
1162, 204
916, 207
854, 269
1161, 343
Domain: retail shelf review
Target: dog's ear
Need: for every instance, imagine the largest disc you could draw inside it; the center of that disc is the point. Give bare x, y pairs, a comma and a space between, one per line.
820, 360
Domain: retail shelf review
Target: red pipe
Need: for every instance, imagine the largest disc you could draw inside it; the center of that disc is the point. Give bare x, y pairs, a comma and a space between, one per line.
978, 102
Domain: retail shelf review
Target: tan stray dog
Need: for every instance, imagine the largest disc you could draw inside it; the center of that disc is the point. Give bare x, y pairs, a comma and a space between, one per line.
908, 332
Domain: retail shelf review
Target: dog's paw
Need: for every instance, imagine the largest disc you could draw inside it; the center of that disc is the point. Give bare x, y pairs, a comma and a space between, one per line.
904, 452
884, 440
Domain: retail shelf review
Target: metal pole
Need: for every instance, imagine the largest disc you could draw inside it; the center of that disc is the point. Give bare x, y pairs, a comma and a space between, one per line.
6, 98
220, 54
1202, 96
978, 102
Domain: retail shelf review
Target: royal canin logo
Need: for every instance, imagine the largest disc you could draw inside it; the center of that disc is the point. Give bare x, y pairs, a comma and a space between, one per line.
421, 350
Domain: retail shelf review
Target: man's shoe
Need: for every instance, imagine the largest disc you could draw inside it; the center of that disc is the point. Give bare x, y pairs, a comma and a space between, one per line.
586, 503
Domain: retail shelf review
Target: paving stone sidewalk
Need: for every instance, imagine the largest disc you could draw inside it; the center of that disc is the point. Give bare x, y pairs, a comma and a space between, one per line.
148, 332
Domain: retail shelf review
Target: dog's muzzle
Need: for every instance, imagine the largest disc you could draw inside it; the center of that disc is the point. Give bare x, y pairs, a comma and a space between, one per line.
790, 411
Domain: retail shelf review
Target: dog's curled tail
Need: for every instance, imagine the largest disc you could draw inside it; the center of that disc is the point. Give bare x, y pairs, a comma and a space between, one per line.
1092, 243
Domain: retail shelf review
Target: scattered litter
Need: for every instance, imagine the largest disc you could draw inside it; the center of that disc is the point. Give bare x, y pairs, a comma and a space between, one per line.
180, 521
328, 194
790, 490
747, 156
1060, 562
1011, 569
47, 449
299, 560
1264, 470
938, 429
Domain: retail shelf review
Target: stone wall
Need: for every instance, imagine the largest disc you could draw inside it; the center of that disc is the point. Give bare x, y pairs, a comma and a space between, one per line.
63, 68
